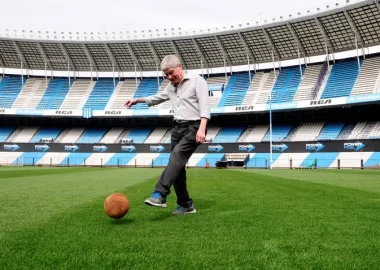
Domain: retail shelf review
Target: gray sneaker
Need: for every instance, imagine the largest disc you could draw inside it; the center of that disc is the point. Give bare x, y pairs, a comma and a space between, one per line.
156, 200
184, 210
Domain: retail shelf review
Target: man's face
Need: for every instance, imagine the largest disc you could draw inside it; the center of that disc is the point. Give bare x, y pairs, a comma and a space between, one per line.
174, 75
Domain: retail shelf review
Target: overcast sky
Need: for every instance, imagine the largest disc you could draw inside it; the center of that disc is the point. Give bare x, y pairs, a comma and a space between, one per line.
123, 15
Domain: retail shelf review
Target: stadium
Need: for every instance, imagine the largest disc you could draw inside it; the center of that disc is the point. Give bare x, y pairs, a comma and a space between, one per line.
295, 128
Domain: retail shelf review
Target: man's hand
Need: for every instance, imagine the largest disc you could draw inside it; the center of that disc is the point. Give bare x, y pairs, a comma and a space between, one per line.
201, 135
130, 102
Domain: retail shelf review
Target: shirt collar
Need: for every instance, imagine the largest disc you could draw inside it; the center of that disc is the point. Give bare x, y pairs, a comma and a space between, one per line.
186, 77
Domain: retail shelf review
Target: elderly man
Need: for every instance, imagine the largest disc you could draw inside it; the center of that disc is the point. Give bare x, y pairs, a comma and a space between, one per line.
188, 94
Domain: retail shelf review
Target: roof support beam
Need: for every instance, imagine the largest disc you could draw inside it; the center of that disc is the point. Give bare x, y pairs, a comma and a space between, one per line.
200, 52
271, 43
176, 51
67, 56
247, 48
133, 55
353, 27
296, 39
112, 57
2, 62
324, 34
44, 56
377, 3
155, 55
21, 55
224, 52
90, 58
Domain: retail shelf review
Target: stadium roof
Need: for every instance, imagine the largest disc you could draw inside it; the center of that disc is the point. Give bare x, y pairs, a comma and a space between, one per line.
334, 31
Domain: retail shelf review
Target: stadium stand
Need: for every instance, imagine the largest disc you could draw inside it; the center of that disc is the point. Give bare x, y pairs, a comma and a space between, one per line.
5, 132
100, 94
31, 94
112, 135
228, 134
10, 88
78, 94
286, 85
279, 133
334, 78
317, 82
375, 133
363, 130
124, 91
165, 104
217, 80
138, 135
45, 134
369, 77
166, 137
254, 134
147, 87
212, 132
330, 131
92, 135
235, 91
70, 135
156, 135
309, 83
55, 93
22, 134
305, 132
346, 131
265, 87
342, 79
253, 89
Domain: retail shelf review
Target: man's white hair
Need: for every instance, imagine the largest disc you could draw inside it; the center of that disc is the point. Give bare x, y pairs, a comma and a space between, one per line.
170, 61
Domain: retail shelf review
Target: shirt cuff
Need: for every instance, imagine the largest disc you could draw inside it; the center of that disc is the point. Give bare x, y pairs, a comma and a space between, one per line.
148, 101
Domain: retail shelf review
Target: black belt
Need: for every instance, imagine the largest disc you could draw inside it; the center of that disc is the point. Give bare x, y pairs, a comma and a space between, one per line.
184, 124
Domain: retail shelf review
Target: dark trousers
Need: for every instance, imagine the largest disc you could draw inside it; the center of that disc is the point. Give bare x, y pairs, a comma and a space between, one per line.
183, 145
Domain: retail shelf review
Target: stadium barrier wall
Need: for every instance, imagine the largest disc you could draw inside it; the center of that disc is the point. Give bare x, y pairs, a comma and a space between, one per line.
262, 147
322, 161
303, 104
329, 154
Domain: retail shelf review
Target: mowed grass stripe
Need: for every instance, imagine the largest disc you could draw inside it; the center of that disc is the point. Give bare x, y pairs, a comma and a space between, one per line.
367, 180
38, 196
244, 220
15, 172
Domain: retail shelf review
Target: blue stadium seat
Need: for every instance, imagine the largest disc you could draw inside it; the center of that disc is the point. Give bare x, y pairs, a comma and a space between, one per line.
10, 88
228, 135
286, 85
342, 79
330, 131
139, 135
235, 91
44, 133
55, 93
101, 94
92, 135
5, 132
147, 87
279, 133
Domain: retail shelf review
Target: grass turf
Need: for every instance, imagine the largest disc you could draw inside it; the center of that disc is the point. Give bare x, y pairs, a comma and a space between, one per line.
52, 218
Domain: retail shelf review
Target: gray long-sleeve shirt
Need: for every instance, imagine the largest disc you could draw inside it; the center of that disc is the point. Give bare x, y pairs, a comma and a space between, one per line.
190, 100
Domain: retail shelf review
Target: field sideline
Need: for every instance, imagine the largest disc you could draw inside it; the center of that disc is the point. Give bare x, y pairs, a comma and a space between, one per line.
52, 218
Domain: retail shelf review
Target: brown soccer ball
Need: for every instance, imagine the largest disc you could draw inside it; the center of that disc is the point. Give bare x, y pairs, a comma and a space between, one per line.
116, 205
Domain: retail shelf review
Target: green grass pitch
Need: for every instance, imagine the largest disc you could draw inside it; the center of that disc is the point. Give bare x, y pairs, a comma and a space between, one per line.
52, 218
